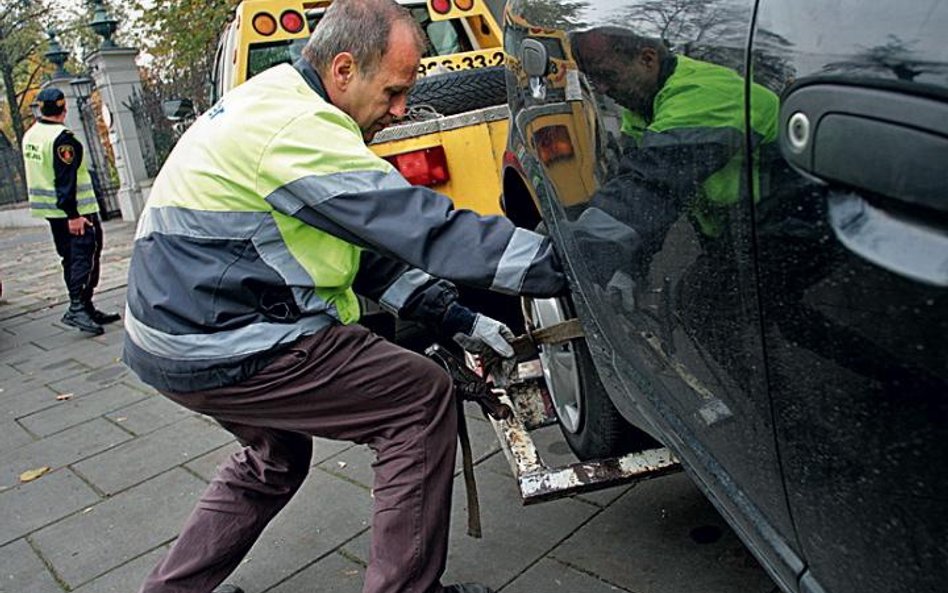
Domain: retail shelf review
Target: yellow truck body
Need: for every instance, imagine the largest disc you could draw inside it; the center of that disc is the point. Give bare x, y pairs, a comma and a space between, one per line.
465, 51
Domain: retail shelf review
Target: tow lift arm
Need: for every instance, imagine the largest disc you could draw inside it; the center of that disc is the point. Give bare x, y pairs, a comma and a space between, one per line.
525, 394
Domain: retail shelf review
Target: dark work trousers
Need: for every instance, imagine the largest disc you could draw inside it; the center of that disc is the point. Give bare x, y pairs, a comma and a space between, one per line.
343, 383
79, 256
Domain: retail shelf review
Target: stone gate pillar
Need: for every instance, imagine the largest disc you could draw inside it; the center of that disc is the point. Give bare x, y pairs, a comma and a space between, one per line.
117, 78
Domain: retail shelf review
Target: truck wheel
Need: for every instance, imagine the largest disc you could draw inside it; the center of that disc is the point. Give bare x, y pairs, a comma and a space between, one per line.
590, 423
460, 91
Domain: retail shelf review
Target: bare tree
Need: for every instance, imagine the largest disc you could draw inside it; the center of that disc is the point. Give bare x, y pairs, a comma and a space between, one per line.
682, 22
895, 57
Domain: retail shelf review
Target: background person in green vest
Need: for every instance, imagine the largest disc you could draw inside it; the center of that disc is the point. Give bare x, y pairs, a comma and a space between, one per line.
60, 190
266, 220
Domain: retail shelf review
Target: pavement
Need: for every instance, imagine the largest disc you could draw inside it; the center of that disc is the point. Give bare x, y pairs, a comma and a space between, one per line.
125, 466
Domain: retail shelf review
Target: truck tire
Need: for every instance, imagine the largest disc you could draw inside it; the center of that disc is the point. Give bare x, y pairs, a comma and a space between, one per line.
460, 91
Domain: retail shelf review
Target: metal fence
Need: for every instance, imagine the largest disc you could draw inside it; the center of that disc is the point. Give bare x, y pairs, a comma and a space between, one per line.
12, 179
104, 179
149, 128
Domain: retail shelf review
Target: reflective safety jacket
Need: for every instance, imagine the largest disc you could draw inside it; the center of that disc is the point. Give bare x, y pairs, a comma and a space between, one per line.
269, 209
46, 145
694, 138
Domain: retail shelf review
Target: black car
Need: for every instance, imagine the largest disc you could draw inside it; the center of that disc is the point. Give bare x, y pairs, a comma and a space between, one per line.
752, 201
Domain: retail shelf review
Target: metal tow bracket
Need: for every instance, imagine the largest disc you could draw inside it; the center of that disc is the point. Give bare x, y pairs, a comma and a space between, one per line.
527, 397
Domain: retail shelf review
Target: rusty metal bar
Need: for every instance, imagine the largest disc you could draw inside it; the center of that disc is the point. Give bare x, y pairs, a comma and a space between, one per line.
538, 483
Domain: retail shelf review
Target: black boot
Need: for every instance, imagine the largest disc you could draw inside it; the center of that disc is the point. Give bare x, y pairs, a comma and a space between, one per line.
101, 317
77, 316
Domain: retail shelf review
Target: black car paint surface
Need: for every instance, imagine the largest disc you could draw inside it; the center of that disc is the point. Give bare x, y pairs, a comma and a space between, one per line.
788, 338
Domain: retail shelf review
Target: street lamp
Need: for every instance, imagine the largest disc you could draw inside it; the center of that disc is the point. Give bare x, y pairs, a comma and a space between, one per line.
82, 86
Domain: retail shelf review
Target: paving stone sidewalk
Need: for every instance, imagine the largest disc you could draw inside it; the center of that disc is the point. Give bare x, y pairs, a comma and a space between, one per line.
126, 466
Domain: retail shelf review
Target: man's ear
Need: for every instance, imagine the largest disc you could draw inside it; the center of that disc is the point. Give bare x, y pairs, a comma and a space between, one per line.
648, 57
342, 69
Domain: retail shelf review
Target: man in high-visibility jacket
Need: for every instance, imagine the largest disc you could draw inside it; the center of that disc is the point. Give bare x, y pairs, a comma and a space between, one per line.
60, 190
690, 129
268, 217
684, 119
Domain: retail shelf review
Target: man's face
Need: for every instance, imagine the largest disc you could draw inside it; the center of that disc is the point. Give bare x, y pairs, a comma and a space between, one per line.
635, 89
376, 100
632, 83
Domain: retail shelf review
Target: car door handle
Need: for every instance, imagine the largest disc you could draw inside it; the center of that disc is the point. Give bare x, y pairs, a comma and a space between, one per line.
883, 141
884, 155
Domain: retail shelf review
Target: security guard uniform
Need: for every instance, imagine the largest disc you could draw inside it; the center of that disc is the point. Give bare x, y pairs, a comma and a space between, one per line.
60, 189
266, 218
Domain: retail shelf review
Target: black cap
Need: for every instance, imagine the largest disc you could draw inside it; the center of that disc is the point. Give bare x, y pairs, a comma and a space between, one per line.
51, 101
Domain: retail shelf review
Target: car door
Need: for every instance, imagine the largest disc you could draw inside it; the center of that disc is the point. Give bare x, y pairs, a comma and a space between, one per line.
658, 236
853, 242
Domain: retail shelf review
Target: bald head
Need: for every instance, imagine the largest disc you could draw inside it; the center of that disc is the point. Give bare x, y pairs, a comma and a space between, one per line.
361, 28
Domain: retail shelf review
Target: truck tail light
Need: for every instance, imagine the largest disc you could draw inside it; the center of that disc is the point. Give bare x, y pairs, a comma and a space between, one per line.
264, 24
292, 21
553, 143
441, 6
427, 166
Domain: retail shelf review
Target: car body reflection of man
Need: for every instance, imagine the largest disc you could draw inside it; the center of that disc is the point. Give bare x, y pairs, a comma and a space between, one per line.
684, 123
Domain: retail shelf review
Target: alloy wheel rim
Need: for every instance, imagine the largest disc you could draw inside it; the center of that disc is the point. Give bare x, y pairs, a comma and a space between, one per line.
560, 366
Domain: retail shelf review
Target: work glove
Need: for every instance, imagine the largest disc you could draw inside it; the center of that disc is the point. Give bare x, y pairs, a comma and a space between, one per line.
478, 333
487, 335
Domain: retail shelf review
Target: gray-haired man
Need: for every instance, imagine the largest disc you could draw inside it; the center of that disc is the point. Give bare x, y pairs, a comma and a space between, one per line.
266, 219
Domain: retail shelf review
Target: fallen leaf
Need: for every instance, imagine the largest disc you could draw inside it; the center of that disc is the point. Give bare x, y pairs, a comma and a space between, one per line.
341, 464
121, 419
63, 397
86, 510
32, 474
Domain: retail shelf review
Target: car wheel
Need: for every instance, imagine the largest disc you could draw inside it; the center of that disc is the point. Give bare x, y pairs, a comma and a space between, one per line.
590, 422
460, 91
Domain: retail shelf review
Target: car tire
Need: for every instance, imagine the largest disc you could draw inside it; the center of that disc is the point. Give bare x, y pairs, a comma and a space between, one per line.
460, 91
590, 423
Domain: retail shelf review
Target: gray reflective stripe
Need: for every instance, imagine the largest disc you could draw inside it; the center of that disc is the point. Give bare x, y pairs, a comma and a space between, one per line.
200, 224
256, 227
220, 344
273, 251
520, 253
396, 295
51, 205
42, 192
316, 189
678, 136
84, 187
